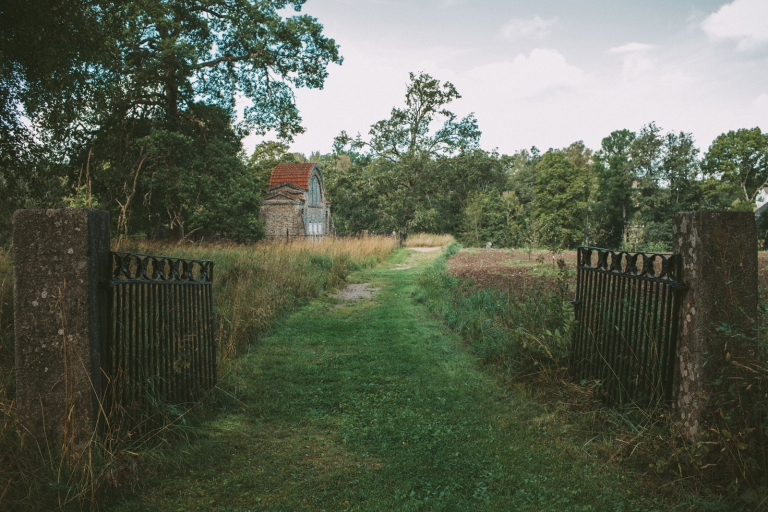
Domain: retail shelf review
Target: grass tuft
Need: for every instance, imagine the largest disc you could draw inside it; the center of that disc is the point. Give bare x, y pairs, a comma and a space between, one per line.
427, 240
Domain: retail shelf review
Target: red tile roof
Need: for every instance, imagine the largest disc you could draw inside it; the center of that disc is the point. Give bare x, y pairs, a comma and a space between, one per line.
296, 174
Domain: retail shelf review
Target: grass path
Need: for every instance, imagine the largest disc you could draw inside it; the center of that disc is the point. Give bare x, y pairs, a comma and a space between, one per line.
377, 406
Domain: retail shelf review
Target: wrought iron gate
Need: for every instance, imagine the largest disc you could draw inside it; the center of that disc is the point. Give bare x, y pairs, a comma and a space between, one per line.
161, 344
626, 323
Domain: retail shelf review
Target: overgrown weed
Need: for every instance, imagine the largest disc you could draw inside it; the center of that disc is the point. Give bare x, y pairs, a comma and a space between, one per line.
427, 240
523, 335
254, 285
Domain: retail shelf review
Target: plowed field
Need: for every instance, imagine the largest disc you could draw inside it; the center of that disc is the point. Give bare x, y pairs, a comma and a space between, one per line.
504, 269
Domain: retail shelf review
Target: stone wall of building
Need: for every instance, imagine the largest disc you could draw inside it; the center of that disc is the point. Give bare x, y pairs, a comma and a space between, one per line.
282, 216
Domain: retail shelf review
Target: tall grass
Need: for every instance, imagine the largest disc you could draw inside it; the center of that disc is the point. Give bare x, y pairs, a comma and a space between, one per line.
521, 331
428, 240
525, 333
254, 286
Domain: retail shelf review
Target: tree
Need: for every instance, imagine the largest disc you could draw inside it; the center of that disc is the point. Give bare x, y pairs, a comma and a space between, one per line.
162, 70
48, 49
405, 176
614, 176
740, 158
561, 195
407, 131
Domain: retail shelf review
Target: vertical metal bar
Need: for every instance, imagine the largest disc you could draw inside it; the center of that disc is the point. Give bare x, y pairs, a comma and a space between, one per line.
203, 340
589, 339
184, 339
179, 345
114, 347
142, 342
650, 336
607, 331
197, 317
172, 333
191, 337
659, 334
151, 345
188, 340
635, 339
578, 309
587, 308
618, 337
199, 355
212, 330
625, 337
165, 340
642, 344
597, 344
131, 336
122, 368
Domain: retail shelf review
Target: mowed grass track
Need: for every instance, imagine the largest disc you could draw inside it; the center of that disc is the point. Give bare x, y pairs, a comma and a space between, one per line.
377, 406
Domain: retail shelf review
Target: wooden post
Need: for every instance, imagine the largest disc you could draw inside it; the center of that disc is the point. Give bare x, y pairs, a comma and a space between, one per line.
719, 251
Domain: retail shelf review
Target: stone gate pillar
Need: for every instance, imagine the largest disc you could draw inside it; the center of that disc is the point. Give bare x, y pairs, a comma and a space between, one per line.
719, 251
61, 263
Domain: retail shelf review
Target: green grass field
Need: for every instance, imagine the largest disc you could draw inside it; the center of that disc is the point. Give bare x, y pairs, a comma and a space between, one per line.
377, 406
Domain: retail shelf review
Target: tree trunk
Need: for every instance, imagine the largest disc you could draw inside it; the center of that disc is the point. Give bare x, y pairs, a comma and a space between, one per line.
624, 212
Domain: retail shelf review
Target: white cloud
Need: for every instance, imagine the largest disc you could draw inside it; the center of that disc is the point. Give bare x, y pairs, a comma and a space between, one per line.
540, 74
632, 48
745, 21
636, 59
535, 28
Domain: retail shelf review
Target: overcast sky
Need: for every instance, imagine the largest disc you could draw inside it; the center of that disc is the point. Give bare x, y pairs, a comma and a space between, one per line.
546, 73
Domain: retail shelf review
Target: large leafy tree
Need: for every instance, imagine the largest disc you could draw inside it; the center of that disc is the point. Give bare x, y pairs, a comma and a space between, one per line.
407, 131
169, 71
562, 191
740, 159
406, 175
49, 50
613, 171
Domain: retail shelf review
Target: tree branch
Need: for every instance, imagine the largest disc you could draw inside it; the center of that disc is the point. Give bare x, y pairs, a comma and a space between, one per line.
226, 58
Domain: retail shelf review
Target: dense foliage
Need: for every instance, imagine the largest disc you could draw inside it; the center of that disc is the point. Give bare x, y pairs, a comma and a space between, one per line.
406, 177
130, 106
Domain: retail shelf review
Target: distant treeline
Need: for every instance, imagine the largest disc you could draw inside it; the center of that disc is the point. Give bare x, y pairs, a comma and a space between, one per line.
405, 177
133, 111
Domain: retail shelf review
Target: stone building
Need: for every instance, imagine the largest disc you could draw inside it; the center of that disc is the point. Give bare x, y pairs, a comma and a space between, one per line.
295, 202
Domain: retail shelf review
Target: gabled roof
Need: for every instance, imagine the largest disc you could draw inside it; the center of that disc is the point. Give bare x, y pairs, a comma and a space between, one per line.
288, 195
289, 188
295, 174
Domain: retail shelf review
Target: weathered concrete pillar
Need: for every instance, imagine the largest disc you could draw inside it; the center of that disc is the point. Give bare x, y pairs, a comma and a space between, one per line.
61, 261
719, 252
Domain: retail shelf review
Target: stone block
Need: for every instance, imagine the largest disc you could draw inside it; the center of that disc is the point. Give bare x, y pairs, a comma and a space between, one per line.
61, 265
719, 251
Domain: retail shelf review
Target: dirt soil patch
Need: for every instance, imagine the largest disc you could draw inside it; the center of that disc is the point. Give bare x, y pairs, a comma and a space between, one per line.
355, 292
505, 269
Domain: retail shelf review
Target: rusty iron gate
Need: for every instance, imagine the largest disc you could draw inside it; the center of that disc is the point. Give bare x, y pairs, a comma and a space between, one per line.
626, 323
161, 345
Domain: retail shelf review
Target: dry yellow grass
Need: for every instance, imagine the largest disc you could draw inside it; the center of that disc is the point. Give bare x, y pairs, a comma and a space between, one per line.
253, 286
428, 240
